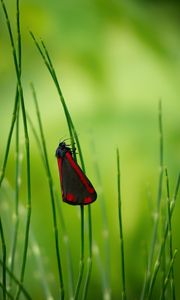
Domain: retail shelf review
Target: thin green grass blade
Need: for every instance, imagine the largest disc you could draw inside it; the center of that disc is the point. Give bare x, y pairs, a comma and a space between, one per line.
158, 202
17, 67
11, 38
81, 263
8, 271
67, 246
56, 235
168, 275
103, 267
27, 228
2, 173
50, 68
121, 228
54, 76
61, 217
3, 260
73, 135
89, 260
170, 236
6, 292
14, 118
37, 140
17, 180
20, 91
164, 256
163, 243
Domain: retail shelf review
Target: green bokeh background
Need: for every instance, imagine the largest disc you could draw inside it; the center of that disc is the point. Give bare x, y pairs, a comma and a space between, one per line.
114, 60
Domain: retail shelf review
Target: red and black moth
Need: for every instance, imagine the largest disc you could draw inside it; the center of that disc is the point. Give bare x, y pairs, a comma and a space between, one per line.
75, 186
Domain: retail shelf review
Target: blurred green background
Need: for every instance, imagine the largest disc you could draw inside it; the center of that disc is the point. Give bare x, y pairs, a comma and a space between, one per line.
114, 60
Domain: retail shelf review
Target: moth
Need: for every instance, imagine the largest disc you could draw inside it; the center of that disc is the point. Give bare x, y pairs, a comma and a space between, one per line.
76, 188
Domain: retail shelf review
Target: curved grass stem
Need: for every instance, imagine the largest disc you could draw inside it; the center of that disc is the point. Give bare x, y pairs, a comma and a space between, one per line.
163, 243
168, 275
74, 137
3, 260
6, 291
17, 64
121, 228
50, 181
17, 179
8, 271
2, 173
81, 264
89, 260
158, 203
170, 236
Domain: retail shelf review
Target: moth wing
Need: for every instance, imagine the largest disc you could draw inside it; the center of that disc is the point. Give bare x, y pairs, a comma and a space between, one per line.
76, 187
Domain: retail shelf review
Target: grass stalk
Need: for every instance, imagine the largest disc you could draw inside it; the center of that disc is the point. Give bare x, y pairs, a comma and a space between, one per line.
163, 263
73, 136
27, 146
170, 236
121, 228
6, 291
3, 260
2, 173
72, 131
61, 217
38, 142
89, 260
17, 67
163, 243
81, 264
16, 226
67, 245
105, 229
50, 182
168, 275
17, 64
158, 202
14, 278
104, 270
49, 65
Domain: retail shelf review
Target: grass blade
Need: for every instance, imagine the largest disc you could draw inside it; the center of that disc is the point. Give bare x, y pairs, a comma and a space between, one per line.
170, 236
157, 213
61, 282
6, 292
167, 278
121, 228
51, 70
103, 267
61, 217
17, 181
81, 263
20, 91
89, 260
8, 271
2, 173
3, 260
163, 243
73, 135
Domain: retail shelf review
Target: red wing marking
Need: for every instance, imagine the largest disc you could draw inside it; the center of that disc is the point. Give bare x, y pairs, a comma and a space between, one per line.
82, 177
87, 200
70, 197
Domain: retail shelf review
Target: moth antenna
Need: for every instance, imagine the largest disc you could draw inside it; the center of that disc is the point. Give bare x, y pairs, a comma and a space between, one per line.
62, 139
